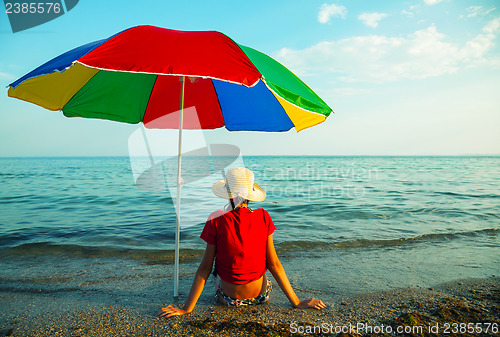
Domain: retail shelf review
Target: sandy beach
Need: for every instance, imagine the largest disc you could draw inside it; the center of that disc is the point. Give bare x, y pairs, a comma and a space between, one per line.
439, 310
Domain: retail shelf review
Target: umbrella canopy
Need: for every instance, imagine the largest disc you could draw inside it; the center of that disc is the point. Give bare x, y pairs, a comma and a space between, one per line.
121, 78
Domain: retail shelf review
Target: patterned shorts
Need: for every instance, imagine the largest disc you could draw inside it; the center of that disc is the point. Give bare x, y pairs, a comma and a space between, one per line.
248, 301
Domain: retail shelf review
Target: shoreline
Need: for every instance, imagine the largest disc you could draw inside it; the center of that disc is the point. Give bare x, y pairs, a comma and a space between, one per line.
460, 301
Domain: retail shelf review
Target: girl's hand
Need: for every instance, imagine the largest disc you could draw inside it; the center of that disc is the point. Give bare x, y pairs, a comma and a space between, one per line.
311, 303
170, 311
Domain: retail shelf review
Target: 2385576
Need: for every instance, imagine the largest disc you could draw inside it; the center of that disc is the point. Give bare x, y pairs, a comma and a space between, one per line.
32, 7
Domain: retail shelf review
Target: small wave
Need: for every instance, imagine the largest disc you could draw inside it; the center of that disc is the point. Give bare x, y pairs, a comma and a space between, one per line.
17, 199
151, 256
468, 195
289, 246
166, 256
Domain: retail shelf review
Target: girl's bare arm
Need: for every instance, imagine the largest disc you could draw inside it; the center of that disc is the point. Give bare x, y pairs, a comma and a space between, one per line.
276, 268
200, 279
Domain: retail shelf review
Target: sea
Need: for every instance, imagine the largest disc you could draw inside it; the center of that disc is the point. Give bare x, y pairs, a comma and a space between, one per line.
344, 224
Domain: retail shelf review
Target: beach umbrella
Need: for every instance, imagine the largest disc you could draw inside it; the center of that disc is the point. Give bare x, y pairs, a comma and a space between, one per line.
145, 73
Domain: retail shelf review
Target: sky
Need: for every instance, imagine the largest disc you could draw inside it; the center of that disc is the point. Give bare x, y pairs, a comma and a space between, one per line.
417, 77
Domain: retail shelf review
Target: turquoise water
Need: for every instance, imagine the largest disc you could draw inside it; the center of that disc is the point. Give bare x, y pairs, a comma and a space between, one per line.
349, 224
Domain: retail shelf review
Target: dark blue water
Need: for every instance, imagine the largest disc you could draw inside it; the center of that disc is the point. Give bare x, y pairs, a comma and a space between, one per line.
384, 221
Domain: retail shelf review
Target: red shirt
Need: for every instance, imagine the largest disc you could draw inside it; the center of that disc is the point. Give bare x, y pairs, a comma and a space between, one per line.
240, 237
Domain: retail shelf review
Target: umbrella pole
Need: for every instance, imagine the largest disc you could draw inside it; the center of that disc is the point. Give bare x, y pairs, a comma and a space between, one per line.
178, 205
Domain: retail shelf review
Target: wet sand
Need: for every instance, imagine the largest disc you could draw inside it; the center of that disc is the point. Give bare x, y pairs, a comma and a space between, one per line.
414, 310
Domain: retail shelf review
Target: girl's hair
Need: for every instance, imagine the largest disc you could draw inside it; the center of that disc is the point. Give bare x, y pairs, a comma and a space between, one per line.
237, 201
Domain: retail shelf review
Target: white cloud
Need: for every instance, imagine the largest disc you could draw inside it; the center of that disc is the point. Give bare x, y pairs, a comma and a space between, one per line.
474, 11
432, 2
375, 58
407, 13
492, 27
345, 92
6, 76
371, 19
410, 12
328, 11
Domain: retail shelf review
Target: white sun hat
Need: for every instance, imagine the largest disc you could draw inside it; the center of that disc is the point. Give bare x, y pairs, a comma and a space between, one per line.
239, 182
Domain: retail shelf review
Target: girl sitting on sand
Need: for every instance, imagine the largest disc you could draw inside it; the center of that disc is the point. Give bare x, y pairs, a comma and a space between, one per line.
241, 243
